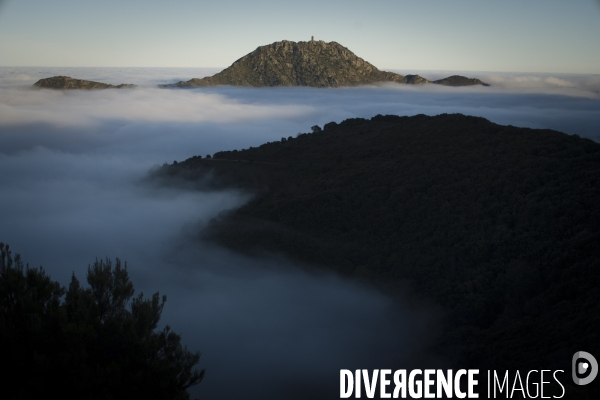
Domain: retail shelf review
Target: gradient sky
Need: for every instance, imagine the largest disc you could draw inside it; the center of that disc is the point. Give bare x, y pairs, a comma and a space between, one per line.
555, 36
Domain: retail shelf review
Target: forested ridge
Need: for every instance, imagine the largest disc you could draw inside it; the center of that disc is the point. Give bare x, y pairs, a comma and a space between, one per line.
498, 225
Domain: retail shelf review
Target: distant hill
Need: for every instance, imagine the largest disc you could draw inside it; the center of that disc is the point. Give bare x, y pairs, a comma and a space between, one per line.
457, 80
314, 63
497, 225
66, 82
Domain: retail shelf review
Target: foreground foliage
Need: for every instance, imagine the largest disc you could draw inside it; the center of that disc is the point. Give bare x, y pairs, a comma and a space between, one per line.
96, 343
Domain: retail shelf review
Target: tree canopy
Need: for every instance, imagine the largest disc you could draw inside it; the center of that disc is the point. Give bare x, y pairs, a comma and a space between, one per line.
99, 342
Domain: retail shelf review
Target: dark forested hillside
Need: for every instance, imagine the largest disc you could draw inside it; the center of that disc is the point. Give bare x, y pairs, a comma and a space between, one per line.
499, 225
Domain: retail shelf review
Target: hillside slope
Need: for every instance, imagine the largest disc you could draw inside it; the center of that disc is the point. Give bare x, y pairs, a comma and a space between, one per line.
498, 225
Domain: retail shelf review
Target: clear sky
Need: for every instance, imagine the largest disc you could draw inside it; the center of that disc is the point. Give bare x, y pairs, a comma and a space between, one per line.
556, 36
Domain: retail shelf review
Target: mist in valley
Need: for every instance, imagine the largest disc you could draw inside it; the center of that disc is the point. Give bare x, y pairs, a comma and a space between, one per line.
72, 169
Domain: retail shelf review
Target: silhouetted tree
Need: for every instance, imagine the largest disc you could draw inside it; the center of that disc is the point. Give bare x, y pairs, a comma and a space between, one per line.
99, 343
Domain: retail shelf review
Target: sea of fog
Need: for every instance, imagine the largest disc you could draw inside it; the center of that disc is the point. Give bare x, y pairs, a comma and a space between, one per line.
71, 170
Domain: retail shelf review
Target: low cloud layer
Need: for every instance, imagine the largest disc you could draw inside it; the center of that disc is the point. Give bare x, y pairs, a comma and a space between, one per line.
271, 327
564, 103
71, 165
82, 109
512, 82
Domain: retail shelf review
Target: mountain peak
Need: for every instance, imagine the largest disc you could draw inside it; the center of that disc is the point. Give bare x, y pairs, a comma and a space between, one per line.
314, 63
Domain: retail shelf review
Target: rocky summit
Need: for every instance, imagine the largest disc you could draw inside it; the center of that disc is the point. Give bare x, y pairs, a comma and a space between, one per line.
66, 82
313, 63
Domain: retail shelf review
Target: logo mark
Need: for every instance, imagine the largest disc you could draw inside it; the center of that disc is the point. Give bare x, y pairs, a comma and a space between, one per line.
589, 367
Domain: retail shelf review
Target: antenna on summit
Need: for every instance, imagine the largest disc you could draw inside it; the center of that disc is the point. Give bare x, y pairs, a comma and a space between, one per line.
312, 38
